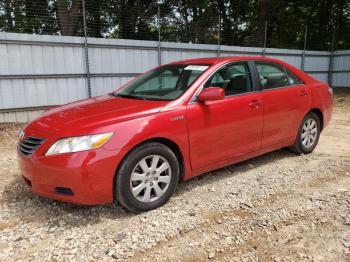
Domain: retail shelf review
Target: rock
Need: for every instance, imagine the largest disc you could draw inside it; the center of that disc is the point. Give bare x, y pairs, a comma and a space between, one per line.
211, 255
228, 240
323, 220
192, 213
346, 244
346, 222
119, 237
260, 223
134, 238
155, 223
342, 190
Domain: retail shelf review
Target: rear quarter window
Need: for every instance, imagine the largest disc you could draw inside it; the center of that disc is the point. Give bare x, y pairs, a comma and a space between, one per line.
293, 79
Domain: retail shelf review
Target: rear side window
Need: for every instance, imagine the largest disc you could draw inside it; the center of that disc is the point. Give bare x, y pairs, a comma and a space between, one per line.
272, 75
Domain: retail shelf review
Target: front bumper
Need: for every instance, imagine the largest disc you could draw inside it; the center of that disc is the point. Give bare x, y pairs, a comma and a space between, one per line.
81, 178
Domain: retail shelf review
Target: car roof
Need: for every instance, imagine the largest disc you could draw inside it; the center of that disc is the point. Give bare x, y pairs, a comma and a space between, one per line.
223, 60
216, 60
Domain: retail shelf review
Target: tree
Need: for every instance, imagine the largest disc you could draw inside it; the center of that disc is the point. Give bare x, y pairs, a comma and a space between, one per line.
69, 15
195, 21
36, 17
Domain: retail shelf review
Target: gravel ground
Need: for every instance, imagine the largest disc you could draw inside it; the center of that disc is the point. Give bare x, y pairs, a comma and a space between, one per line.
277, 207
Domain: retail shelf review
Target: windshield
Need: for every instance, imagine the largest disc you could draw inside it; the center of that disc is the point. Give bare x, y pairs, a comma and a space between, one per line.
165, 83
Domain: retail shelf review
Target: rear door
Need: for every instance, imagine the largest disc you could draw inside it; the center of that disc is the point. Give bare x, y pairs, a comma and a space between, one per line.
286, 100
224, 129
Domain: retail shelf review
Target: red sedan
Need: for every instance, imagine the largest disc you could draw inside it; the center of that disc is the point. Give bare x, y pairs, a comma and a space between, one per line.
172, 123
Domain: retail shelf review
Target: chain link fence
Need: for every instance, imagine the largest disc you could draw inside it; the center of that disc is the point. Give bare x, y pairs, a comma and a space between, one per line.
97, 49
250, 23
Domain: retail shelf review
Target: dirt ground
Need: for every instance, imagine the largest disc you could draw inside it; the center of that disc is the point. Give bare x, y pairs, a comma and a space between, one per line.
277, 207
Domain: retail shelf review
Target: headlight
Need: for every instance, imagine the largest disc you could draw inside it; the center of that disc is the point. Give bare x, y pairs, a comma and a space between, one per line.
80, 143
21, 134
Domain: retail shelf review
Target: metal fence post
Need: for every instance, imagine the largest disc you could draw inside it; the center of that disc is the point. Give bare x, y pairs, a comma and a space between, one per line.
159, 38
219, 36
265, 39
86, 49
331, 59
303, 55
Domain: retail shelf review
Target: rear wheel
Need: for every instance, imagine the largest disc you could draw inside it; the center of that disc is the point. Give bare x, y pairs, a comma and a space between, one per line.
147, 177
308, 134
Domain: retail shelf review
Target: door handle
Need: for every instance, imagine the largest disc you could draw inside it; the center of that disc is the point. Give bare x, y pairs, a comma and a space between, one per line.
255, 104
303, 93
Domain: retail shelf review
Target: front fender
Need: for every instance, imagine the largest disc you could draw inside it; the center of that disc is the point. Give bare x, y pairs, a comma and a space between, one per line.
170, 125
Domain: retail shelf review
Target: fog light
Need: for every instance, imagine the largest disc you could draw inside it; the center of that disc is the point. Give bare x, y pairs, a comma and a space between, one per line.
64, 191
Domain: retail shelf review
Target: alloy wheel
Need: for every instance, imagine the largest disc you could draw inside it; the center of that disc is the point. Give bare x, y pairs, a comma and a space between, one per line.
150, 178
309, 133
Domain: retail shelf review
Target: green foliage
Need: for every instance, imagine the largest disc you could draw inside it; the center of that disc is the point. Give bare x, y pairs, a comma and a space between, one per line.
242, 22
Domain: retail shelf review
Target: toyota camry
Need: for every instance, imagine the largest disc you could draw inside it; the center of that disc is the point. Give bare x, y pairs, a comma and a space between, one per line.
170, 124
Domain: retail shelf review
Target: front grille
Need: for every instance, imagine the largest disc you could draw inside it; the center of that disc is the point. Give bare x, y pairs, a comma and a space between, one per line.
29, 145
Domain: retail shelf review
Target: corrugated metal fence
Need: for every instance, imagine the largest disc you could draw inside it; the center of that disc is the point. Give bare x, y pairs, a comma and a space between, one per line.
41, 71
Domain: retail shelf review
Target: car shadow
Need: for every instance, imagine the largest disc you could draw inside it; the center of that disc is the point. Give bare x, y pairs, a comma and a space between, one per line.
28, 207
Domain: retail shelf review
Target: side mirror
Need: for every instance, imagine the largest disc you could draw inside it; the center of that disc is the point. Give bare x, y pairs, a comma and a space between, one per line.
211, 94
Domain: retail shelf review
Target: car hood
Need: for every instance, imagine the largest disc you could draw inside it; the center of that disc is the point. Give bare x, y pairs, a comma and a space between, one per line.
96, 112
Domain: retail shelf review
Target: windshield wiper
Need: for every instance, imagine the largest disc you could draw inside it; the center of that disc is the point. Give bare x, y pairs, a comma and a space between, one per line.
126, 96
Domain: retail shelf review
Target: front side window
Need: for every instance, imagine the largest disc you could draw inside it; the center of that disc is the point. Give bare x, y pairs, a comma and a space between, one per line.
165, 83
234, 79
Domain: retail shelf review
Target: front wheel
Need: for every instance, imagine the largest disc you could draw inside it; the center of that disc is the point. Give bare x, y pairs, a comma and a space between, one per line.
147, 177
308, 134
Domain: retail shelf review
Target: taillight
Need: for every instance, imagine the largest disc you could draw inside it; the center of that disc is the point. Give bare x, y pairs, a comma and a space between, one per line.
330, 90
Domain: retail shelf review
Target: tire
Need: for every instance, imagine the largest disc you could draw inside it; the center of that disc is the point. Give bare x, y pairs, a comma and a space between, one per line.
152, 168
307, 130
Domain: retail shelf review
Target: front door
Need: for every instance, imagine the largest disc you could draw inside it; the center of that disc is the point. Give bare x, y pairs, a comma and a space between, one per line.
224, 129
